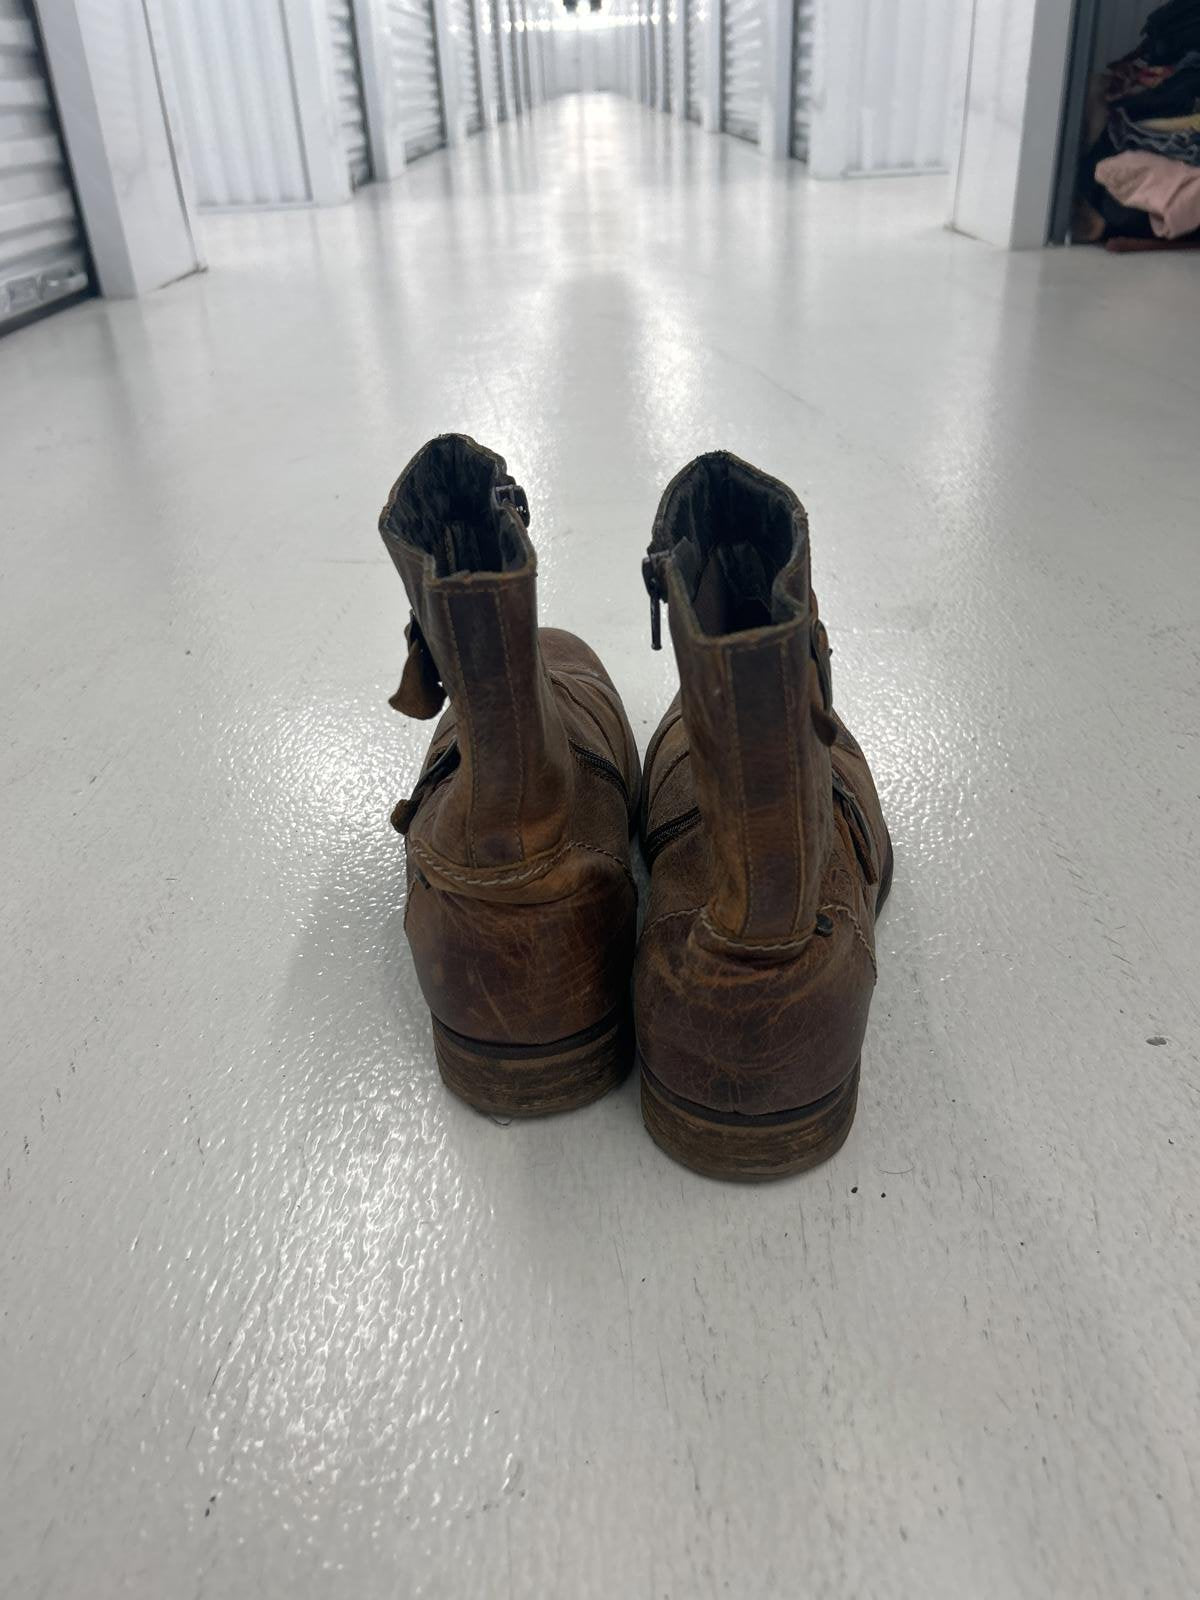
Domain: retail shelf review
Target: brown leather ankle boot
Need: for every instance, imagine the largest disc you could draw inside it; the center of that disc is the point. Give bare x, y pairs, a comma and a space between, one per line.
768, 852
521, 907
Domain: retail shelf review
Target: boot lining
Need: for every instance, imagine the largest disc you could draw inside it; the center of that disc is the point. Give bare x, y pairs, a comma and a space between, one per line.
733, 530
444, 505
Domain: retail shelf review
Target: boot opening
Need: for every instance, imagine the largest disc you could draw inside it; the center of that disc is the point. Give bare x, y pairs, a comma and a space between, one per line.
444, 504
732, 531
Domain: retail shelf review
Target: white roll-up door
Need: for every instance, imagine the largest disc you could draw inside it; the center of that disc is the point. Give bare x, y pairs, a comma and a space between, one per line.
694, 19
470, 91
519, 100
537, 45
43, 258
668, 25
741, 67
415, 74
526, 72
347, 76
493, 45
237, 101
803, 32
649, 64
533, 44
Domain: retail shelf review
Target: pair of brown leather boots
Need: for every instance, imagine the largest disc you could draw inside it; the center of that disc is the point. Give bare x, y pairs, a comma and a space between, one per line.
760, 826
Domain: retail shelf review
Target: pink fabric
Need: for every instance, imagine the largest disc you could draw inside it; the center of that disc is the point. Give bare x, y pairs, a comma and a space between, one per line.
1168, 190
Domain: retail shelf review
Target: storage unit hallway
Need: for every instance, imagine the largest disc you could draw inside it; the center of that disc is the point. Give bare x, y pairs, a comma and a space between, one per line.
281, 1317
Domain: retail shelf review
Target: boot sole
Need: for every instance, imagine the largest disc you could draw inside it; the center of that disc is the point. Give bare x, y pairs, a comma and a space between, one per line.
536, 1080
747, 1149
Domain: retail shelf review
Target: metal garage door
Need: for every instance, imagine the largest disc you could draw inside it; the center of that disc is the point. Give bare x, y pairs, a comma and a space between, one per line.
667, 17
470, 91
693, 57
519, 100
526, 74
493, 46
802, 76
538, 47
347, 78
533, 47
741, 67
649, 65
415, 74
43, 258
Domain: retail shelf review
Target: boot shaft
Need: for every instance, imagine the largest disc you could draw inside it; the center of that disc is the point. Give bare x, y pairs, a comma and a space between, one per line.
454, 526
730, 556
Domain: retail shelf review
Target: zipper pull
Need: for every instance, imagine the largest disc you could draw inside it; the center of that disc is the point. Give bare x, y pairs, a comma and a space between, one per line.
508, 492
656, 589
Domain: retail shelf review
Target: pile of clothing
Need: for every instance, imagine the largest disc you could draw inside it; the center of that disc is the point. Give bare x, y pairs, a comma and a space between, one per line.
1140, 177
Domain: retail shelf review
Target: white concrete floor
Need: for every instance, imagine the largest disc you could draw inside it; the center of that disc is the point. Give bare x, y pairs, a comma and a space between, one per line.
279, 1318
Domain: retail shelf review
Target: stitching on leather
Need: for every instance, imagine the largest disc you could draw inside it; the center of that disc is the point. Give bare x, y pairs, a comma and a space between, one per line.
486, 879
690, 911
477, 585
791, 944
657, 738
560, 682
598, 850
538, 868
748, 865
658, 787
793, 780
858, 933
582, 672
736, 942
464, 717
516, 734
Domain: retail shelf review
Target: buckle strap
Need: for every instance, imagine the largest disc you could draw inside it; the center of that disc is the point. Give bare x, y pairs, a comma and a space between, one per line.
440, 767
421, 692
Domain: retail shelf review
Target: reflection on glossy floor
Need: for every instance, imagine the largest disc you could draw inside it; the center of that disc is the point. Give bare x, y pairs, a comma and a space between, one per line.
281, 1319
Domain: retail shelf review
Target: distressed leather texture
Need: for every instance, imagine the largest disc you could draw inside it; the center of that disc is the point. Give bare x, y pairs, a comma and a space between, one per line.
761, 824
522, 907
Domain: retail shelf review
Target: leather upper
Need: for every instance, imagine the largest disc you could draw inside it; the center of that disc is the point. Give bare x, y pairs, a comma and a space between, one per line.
761, 824
522, 906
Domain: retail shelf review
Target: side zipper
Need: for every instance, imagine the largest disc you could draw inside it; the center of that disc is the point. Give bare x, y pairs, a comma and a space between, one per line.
603, 766
659, 838
859, 832
448, 761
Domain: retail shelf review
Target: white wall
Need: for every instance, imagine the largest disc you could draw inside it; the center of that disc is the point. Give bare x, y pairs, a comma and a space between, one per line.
1004, 182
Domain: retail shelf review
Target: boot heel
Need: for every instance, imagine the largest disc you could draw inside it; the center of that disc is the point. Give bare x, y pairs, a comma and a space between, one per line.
533, 1080
747, 1149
